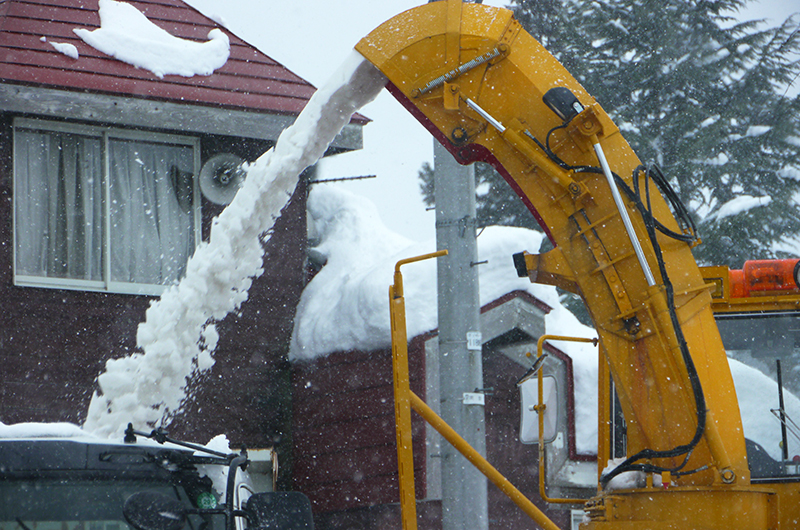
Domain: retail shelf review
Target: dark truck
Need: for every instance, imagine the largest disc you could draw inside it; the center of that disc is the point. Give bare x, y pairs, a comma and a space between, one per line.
85, 483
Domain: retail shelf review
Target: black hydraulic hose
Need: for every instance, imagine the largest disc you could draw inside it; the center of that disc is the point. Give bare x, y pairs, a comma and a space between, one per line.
681, 212
654, 173
694, 378
652, 225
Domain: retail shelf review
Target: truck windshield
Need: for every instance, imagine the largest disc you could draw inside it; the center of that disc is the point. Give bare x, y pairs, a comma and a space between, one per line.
764, 348
81, 505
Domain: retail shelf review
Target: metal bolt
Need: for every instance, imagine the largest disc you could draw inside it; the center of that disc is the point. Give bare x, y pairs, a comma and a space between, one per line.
728, 476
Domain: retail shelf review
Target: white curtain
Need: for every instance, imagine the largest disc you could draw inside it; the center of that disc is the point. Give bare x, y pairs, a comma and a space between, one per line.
60, 208
152, 221
58, 201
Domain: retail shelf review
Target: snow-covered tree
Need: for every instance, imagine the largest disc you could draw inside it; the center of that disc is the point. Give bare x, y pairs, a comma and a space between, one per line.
695, 92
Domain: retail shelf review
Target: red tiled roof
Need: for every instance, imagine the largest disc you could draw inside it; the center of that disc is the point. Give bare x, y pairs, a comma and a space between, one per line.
250, 80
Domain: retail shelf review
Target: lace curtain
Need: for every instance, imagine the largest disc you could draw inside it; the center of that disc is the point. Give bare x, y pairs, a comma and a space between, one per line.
60, 210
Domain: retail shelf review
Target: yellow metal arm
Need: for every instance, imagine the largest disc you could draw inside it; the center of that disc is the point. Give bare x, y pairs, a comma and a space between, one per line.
497, 116
405, 399
549, 268
644, 291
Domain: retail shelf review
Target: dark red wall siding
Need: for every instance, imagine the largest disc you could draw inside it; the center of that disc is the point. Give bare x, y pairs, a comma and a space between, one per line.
345, 452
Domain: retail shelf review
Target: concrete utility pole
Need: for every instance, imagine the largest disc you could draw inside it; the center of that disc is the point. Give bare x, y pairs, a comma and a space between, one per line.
464, 503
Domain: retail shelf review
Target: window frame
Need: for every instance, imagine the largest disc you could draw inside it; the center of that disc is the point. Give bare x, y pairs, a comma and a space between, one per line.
105, 135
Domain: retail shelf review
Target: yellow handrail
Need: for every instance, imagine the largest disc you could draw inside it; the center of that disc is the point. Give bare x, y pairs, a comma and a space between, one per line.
483, 465
404, 400
402, 389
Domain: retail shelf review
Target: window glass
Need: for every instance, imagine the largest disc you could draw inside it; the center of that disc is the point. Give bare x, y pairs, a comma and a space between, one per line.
152, 221
59, 228
102, 209
764, 350
71, 504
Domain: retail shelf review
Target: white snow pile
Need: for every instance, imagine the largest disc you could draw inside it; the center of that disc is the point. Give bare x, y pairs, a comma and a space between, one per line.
66, 48
757, 394
346, 305
42, 430
219, 474
178, 336
126, 34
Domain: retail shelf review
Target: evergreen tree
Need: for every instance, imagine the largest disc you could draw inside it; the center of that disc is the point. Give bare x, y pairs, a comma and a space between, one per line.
694, 92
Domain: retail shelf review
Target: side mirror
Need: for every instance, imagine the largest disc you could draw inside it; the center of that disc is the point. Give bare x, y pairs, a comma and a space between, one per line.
279, 510
529, 418
153, 511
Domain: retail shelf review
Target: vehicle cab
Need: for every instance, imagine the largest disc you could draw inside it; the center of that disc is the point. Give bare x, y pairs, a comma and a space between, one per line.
59, 478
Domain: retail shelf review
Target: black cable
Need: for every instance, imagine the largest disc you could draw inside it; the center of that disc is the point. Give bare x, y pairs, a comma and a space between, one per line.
694, 378
652, 225
682, 214
549, 151
546, 148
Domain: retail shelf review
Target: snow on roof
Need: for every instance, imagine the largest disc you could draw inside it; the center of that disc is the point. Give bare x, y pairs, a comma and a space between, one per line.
249, 79
42, 430
66, 48
125, 33
345, 307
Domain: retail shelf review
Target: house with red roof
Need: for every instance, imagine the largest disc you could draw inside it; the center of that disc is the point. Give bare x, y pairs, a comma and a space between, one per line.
101, 205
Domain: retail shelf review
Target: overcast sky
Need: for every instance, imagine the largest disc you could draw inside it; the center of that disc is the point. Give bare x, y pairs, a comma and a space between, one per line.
312, 38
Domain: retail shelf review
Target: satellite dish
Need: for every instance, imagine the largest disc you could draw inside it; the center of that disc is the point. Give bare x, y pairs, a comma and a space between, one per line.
220, 177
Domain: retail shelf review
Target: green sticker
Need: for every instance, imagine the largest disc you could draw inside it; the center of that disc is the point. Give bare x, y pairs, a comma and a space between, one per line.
206, 501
